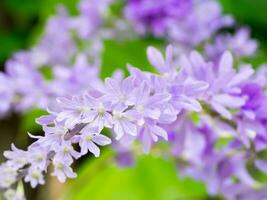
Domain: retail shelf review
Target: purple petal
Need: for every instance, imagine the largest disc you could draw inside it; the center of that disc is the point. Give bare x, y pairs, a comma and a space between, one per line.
93, 149
155, 58
101, 140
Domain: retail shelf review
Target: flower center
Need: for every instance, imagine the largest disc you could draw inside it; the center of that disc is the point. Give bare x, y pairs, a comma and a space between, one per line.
121, 98
66, 150
117, 115
101, 110
140, 108
35, 175
88, 138
60, 166
84, 109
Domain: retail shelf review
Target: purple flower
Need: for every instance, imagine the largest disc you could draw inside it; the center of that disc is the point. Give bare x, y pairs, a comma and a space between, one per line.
34, 176
37, 156
8, 175
100, 112
62, 170
224, 82
152, 17
16, 157
56, 37
119, 92
90, 18
123, 122
150, 133
6, 94
88, 140
181, 21
147, 106
65, 151
239, 44
74, 110
14, 194
163, 65
54, 135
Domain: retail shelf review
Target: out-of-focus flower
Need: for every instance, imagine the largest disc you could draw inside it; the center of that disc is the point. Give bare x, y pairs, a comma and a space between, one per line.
240, 44
185, 22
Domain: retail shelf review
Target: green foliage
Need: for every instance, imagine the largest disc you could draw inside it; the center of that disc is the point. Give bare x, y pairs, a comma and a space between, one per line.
151, 178
248, 11
252, 14
118, 54
28, 123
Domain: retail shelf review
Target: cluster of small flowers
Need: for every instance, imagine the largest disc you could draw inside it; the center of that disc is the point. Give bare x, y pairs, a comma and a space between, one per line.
53, 66
212, 115
184, 21
149, 107
36, 77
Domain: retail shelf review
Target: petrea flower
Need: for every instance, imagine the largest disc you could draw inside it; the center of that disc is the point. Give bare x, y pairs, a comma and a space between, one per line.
123, 122
88, 140
100, 112
251, 120
62, 170
194, 106
56, 37
148, 106
12, 194
75, 110
6, 94
17, 157
239, 44
65, 151
224, 82
166, 65
150, 133
34, 176
8, 175
53, 135
149, 16
37, 156
182, 21
119, 92
90, 18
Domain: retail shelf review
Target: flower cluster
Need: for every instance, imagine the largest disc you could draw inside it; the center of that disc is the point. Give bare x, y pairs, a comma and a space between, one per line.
149, 108
39, 75
53, 66
211, 113
183, 21
240, 44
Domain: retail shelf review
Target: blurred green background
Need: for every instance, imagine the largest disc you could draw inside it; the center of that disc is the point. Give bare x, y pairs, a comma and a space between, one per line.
155, 178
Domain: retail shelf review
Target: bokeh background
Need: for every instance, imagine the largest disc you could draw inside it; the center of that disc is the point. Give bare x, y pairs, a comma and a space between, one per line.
152, 176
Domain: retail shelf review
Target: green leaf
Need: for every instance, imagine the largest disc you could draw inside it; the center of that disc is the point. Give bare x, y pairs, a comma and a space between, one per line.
118, 54
28, 123
151, 178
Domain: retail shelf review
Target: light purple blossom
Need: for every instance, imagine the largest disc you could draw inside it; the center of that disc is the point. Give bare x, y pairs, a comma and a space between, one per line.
34, 176
150, 133
185, 22
192, 103
224, 82
119, 92
89, 140
124, 122
240, 44
62, 170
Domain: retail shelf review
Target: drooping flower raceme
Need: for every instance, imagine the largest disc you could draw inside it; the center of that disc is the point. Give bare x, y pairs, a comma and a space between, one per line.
150, 108
212, 115
44, 72
53, 66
